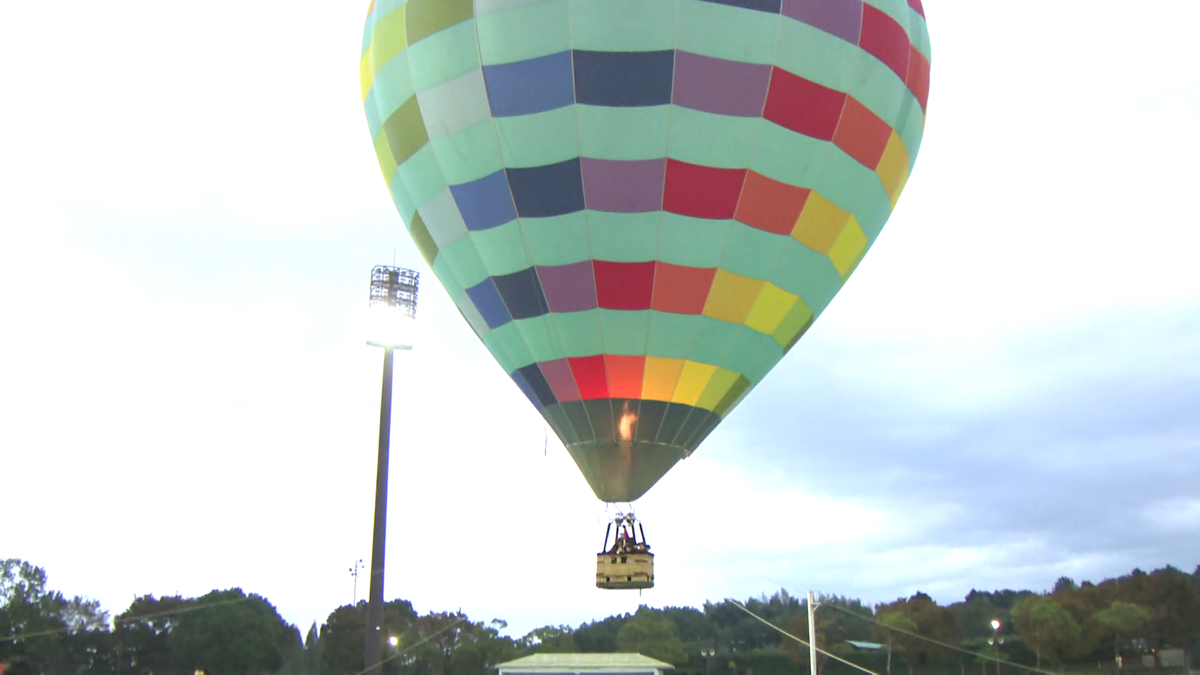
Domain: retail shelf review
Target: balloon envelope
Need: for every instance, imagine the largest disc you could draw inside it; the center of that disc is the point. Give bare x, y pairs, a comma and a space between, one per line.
641, 205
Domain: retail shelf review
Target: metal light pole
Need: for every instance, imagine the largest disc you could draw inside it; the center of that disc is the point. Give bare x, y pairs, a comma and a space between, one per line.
996, 643
358, 566
707, 653
812, 634
394, 304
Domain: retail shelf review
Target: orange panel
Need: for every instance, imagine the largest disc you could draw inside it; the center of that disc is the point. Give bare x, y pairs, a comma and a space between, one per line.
625, 375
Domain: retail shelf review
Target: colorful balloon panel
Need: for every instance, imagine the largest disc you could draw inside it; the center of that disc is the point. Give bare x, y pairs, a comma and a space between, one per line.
640, 206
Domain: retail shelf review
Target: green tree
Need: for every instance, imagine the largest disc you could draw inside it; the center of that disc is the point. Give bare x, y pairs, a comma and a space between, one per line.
1045, 626
30, 617
649, 633
142, 632
1124, 619
234, 633
550, 640
343, 635
894, 628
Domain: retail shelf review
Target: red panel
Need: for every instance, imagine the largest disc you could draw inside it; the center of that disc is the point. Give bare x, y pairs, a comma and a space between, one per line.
590, 376
625, 375
702, 191
918, 76
767, 204
862, 135
624, 285
885, 39
916, 4
682, 290
803, 106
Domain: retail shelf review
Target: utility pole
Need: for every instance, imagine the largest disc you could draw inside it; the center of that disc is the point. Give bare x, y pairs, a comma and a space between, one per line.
358, 565
812, 634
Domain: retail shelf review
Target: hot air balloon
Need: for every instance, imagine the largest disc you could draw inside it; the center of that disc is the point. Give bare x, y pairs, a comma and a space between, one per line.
640, 206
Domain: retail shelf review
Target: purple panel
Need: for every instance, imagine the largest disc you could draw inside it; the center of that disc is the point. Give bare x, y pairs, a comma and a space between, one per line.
624, 187
569, 288
720, 86
561, 380
842, 18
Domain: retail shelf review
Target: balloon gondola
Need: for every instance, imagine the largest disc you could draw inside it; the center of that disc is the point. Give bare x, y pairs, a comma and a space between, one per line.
640, 206
628, 563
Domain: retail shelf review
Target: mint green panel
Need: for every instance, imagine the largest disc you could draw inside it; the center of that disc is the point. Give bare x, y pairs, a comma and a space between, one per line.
714, 338
623, 25
540, 338
801, 271
843, 181
789, 157
671, 334
818, 56
422, 176
443, 56
508, 346
708, 139
625, 333
750, 252
872, 208
753, 354
539, 139
624, 237
558, 240
405, 205
463, 261
468, 155
880, 90
387, 100
729, 33
501, 249
692, 242
623, 133
579, 332
454, 288
523, 33
912, 126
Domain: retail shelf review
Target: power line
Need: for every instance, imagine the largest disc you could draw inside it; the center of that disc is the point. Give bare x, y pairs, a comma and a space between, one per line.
119, 620
818, 649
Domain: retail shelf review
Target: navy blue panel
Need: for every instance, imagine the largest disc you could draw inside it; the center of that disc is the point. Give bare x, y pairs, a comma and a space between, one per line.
544, 191
527, 390
673, 421
624, 79
489, 304
772, 6
537, 383
522, 294
532, 86
485, 203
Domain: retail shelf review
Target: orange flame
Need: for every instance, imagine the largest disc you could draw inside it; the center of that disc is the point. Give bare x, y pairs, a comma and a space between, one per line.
625, 425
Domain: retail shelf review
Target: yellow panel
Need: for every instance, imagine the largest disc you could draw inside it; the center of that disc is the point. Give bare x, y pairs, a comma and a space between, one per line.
388, 38
660, 378
893, 168
794, 324
772, 305
849, 248
366, 74
732, 296
819, 223
718, 386
692, 381
383, 152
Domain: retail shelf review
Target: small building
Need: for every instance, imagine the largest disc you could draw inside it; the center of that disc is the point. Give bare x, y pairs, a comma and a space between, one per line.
585, 664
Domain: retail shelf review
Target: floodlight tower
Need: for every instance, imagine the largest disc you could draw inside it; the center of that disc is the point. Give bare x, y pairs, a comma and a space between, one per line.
392, 310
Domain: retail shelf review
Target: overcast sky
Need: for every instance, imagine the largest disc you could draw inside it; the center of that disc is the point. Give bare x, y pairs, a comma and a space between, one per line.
1007, 391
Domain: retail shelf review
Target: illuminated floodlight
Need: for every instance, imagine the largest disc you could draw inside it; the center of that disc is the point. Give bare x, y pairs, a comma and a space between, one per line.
392, 313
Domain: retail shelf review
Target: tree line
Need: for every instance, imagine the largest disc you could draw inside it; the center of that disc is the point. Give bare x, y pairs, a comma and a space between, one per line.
1128, 621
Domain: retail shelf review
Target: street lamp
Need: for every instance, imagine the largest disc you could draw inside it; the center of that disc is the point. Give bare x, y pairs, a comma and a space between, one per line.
996, 642
707, 653
392, 311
